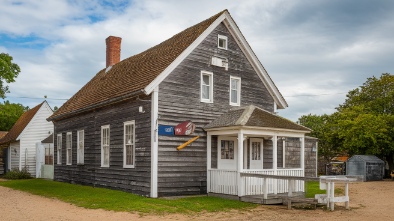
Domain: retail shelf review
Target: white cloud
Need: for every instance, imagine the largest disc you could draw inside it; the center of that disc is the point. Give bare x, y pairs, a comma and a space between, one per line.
305, 49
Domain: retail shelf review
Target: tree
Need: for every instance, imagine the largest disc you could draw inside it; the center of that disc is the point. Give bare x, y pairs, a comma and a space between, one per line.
363, 124
9, 114
324, 128
8, 72
366, 119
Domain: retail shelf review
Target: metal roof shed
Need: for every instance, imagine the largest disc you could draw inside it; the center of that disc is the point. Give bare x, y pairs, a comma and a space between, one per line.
369, 166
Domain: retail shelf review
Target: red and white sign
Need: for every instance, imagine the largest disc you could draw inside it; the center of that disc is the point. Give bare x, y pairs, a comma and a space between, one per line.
185, 128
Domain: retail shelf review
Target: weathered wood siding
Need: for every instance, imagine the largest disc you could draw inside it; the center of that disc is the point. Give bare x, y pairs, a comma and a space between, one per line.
310, 157
184, 172
135, 180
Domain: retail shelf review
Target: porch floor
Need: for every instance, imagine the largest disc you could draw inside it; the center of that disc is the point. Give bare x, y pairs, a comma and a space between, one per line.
272, 199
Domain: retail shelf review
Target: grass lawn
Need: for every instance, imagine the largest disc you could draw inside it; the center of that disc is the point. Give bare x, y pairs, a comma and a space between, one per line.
101, 198
312, 188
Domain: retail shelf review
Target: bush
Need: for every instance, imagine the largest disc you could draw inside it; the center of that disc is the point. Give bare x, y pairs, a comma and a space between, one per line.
16, 174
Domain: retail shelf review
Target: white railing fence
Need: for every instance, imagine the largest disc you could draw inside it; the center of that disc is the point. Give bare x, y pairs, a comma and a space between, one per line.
225, 182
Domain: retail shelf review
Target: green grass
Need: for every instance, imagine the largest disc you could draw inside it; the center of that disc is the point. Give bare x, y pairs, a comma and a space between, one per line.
101, 198
312, 188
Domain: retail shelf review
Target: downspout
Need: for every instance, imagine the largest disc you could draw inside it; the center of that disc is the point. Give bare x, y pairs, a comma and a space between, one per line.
154, 142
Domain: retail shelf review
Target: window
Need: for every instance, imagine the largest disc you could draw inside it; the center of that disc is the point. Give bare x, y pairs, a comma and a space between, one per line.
80, 147
129, 144
206, 87
59, 148
49, 155
222, 42
105, 146
256, 155
235, 91
69, 148
227, 149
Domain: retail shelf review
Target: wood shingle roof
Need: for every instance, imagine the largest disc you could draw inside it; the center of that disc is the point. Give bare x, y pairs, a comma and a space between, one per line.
130, 76
252, 116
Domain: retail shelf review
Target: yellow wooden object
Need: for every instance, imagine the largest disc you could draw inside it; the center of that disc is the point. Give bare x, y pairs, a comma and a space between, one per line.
187, 143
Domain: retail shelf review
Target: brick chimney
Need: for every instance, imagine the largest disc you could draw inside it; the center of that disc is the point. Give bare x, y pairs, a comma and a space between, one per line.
113, 50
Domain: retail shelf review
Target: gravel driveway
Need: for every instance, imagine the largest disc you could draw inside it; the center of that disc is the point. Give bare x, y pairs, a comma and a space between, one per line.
372, 201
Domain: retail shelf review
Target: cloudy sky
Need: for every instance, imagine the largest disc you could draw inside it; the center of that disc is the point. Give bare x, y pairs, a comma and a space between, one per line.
315, 51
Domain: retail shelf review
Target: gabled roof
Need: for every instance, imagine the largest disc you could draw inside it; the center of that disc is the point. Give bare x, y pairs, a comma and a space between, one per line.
141, 73
252, 116
3, 133
49, 139
20, 125
366, 158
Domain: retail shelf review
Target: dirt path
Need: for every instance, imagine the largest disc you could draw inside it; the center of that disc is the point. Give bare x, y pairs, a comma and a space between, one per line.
368, 201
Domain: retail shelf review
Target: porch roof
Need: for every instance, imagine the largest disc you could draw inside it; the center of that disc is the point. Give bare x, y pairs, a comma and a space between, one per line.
252, 116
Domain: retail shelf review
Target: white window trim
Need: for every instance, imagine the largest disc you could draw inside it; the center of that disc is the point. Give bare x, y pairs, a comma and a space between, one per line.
59, 149
238, 103
225, 38
132, 144
210, 74
80, 159
102, 146
69, 155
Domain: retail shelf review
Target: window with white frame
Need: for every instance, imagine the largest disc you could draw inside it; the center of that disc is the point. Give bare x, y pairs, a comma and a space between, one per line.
105, 146
59, 148
256, 151
129, 144
80, 147
222, 42
206, 86
69, 148
227, 149
48, 155
235, 91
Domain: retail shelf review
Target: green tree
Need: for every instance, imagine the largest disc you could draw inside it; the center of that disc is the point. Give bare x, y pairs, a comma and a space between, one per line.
8, 72
365, 122
9, 114
324, 128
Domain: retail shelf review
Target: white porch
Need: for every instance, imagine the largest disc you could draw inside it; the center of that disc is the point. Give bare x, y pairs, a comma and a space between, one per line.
242, 151
250, 140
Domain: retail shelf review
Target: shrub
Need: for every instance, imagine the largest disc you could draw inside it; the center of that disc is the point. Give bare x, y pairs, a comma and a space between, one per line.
16, 174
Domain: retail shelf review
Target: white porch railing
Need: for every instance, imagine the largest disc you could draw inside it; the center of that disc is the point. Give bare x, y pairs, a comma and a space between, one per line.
225, 182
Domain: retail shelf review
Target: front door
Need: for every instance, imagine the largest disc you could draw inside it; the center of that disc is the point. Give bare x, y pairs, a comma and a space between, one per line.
256, 153
228, 153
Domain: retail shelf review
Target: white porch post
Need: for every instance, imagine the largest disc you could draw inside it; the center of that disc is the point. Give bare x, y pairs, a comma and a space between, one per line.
275, 160
154, 142
209, 160
302, 153
240, 163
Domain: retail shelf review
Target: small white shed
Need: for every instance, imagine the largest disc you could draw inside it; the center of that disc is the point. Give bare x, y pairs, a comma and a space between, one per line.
30, 128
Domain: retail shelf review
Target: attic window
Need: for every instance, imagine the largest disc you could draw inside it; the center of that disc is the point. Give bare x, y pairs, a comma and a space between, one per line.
222, 42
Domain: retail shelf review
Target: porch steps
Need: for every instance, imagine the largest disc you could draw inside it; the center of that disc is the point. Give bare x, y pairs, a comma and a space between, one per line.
260, 199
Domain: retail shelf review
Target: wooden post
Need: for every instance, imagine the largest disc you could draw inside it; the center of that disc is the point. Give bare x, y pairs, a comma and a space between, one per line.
332, 188
265, 187
291, 185
347, 195
302, 157
240, 163
209, 161
275, 161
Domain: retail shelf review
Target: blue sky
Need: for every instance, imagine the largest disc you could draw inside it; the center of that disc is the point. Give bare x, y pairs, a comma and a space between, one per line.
315, 51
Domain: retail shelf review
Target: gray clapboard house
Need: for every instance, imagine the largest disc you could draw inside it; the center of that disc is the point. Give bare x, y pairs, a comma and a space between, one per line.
107, 134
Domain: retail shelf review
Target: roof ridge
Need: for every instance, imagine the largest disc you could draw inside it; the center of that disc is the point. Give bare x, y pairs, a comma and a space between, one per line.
133, 73
20, 124
244, 118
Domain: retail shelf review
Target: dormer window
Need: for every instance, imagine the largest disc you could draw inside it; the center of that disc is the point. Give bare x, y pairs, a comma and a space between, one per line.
222, 42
